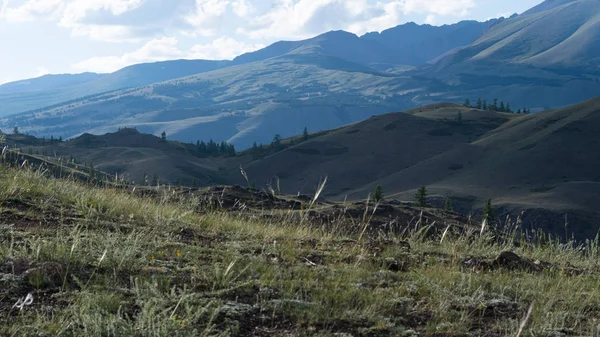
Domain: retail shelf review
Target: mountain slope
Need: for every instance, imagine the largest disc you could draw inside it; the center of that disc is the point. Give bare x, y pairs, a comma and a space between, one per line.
560, 36
417, 44
572, 40
240, 104
47, 82
359, 154
12, 102
321, 83
546, 5
546, 59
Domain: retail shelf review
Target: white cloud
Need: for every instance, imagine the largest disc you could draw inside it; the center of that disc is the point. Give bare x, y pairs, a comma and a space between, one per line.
242, 8
304, 18
223, 48
288, 18
430, 19
155, 50
438, 7
30, 10
206, 18
41, 71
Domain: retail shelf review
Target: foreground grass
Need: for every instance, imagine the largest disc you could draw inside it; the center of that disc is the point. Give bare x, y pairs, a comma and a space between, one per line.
104, 262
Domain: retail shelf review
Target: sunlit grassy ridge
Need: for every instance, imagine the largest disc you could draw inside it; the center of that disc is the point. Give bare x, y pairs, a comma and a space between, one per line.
103, 262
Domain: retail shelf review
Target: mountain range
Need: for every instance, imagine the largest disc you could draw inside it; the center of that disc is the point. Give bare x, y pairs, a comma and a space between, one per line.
544, 58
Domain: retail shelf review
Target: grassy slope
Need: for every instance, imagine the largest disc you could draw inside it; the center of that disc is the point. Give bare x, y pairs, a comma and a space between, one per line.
103, 262
130, 154
545, 160
360, 154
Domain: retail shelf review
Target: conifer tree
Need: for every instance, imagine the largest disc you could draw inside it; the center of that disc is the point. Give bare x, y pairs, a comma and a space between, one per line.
421, 197
479, 103
378, 194
459, 117
485, 105
502, 107
488, 211
448, 205
467, 103
305, 134
276, 141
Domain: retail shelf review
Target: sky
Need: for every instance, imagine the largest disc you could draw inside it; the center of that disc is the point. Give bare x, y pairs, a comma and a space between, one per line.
39, 37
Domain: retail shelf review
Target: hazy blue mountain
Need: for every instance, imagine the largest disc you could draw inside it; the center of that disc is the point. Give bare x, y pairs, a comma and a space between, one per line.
48, 82
370, 53
407, 44
148, 73
415, 45
339, 44
241, 104
14, 101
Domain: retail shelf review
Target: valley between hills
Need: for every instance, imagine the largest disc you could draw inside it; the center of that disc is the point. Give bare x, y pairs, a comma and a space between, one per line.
538, 167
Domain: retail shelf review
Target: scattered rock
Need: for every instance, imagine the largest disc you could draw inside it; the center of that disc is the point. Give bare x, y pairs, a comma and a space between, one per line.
235, 310
16, 266
506, 260
512, 261
46, 275
500, 308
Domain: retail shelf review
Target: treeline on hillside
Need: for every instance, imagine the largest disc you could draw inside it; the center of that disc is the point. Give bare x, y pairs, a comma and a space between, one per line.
497, 106
210, 148
277, 143
213, 149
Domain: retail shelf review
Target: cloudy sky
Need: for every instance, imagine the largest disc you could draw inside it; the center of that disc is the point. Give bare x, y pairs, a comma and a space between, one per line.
70, 36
